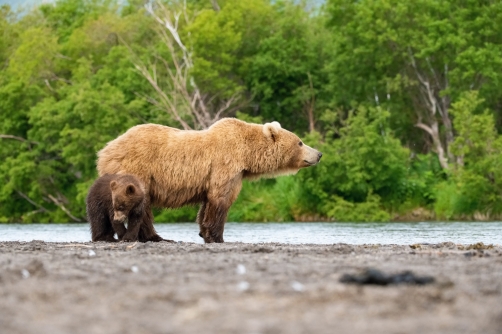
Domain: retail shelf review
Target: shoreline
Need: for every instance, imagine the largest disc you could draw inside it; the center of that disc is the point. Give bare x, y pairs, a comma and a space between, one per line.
290, 233
246, 288
400, 220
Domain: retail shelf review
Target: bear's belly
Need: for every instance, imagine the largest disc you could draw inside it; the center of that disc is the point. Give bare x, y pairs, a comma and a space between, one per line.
177, 198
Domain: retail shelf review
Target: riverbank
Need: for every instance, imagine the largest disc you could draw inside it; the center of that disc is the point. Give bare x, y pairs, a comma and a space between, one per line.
246, 288
286, 233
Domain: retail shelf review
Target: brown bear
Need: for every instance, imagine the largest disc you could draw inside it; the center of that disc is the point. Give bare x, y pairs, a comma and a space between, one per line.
112, 200
206, 167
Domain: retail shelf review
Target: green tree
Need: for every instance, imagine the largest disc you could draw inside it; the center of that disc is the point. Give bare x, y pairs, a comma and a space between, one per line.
7, 32
287, 74
415, 58
66, 15
61, 111
476, 185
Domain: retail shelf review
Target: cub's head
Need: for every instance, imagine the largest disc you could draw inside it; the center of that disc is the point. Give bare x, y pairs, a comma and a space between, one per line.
127, 194
289, 150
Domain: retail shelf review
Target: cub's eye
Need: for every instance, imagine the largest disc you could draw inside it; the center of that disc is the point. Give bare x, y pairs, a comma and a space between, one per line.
300, 144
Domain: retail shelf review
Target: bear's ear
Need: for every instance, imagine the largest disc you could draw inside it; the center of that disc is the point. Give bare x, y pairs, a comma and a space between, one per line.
113, 185
271, 130
130, 190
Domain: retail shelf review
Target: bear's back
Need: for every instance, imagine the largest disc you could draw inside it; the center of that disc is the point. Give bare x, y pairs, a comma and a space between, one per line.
173, 164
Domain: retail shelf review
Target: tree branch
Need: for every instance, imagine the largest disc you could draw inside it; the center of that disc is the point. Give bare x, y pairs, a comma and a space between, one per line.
216, 7
62, 207
32, 202
18, 138
424, 127
204, 109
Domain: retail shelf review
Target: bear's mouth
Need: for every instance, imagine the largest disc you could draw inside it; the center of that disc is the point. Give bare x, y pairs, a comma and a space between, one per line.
119, 216
309, 163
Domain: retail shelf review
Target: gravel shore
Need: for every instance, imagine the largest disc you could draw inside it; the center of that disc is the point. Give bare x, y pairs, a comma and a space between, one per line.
246, 288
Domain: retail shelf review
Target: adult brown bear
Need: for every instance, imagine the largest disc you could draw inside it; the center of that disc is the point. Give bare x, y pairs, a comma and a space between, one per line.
203, 167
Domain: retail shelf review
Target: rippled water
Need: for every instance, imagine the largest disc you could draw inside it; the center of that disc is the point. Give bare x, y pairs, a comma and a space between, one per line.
294, 233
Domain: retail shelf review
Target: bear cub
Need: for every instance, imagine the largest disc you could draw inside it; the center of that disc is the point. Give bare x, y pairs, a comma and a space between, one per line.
112, 200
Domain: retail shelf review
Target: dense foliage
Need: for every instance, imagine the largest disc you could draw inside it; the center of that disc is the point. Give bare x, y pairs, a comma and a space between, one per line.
403, 98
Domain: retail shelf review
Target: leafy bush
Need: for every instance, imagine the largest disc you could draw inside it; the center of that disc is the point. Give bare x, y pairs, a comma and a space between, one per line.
365, 164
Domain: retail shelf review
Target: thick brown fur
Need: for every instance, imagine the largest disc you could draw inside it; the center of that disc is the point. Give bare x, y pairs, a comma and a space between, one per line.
204, 167
112, 200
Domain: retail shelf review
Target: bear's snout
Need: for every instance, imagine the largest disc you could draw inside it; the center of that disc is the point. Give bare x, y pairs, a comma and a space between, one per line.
119, 216
311, 156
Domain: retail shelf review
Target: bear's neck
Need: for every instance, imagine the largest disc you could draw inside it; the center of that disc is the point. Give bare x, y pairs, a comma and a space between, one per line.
261, 159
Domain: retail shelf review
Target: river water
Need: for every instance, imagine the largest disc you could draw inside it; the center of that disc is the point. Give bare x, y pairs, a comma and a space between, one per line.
293, 233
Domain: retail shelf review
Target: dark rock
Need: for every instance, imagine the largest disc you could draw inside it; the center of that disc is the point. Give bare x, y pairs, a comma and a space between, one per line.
263, 250
376, 277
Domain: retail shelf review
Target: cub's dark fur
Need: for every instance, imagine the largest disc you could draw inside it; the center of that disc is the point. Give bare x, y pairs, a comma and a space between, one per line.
112, 200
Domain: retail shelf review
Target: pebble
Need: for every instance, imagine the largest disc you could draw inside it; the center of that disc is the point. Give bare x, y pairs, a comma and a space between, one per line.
25, 273
297, 286
243, 286
241, 269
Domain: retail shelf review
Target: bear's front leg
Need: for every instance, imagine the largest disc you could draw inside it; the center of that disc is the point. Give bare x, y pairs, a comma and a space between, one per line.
133, 227
147, 231
119, 228
200, 219
213, 224
102, 230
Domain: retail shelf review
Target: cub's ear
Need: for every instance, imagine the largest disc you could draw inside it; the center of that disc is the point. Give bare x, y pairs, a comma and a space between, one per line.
113, 185
271, 130
130, 190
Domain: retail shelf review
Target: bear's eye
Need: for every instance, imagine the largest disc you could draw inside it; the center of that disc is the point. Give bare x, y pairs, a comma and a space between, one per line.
300, 144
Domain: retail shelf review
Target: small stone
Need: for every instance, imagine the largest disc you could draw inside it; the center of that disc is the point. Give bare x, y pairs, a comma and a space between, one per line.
469, 254
92, 253
134, 269
297, 286
479, 246
243, 286
241, 269
25, 273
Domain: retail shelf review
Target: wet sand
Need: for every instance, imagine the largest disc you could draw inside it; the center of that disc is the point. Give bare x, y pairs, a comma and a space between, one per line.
245, 288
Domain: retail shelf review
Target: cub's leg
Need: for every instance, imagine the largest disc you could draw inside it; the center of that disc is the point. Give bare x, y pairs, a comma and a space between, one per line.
119, 228
101, 228
133, 227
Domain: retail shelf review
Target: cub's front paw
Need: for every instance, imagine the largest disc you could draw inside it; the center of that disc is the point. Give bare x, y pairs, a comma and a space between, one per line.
129, 238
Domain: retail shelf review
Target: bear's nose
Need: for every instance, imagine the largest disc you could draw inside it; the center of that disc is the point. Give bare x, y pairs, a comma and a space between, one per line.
320, 156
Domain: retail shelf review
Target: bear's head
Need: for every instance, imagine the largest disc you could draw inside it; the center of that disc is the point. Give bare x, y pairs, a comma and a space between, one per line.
285, 152
127, 195
295, 153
